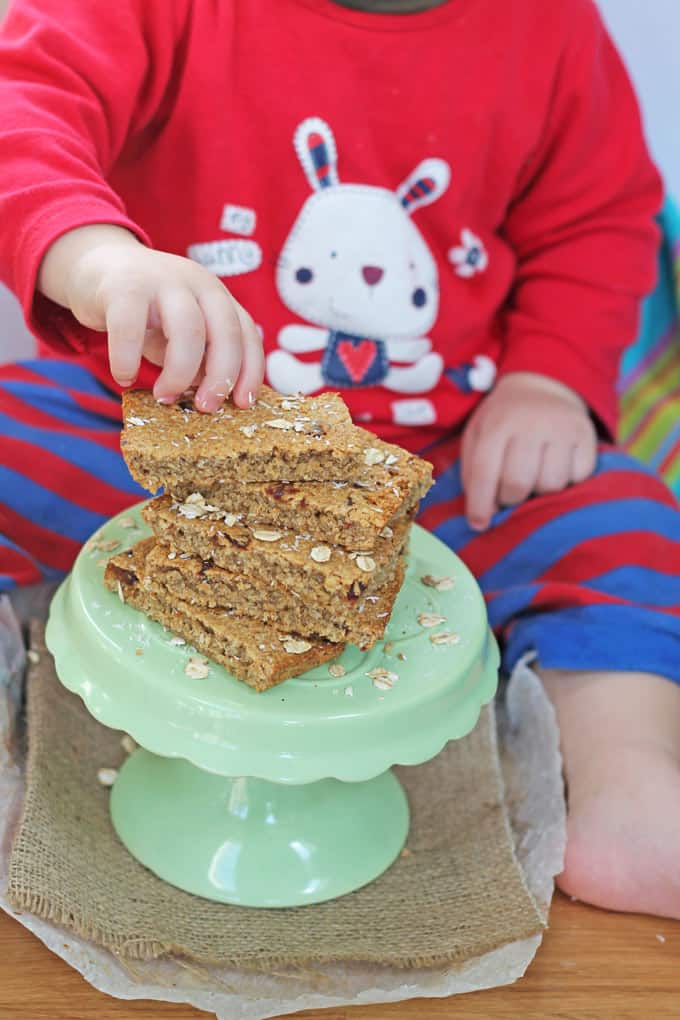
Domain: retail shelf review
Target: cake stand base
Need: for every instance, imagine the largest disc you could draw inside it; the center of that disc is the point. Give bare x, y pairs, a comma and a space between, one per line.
253, 842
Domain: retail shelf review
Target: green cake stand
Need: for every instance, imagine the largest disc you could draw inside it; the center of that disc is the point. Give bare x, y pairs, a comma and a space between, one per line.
283, 798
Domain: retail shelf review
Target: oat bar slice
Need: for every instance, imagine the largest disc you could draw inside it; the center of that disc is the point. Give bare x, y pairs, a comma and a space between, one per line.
256, 653
361, 622
290, 438
351, 514
315, 571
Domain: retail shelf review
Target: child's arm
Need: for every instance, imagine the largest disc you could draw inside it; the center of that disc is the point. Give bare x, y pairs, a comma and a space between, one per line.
582, 227
80, 79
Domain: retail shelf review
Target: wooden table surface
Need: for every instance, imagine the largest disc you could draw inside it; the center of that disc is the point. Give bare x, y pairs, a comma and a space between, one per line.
592, 964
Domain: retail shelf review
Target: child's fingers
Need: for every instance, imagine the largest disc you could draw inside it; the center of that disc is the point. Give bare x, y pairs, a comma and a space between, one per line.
467, 448
155, 344
482, 462
583, 460
223, 352
183, 324
126, 320
519, 472
252, 367
554, 471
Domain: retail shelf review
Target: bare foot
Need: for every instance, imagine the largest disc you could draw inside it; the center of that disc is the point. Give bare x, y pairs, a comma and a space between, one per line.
620, 736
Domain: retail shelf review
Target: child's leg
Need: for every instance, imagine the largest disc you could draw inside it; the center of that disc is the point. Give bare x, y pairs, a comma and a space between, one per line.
61, 471
620, 735
589, 580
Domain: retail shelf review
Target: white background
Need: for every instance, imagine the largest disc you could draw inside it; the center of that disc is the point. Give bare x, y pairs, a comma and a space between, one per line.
648, 34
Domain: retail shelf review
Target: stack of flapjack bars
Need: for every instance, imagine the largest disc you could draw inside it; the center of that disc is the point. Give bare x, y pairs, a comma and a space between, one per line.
281, 533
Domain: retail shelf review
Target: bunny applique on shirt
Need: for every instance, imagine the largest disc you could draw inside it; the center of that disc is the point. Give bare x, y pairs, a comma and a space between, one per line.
359, 271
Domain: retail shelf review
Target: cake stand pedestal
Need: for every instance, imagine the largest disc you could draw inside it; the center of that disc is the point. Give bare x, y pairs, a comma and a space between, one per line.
282, 798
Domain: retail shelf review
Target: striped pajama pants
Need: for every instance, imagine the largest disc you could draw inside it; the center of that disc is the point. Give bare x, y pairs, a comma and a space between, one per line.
588, 578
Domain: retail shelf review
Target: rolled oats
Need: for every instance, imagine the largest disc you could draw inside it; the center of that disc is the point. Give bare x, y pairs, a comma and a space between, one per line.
430, 619
296, 646
445, 637
197, 668
373, 456
383, 679
107, 777
279, 423
439, 583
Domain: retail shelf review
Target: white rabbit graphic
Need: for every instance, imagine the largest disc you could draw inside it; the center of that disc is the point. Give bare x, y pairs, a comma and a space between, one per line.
356, 267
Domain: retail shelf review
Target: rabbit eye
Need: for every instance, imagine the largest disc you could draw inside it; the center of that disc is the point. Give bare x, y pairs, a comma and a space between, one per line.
419, 297
304, 275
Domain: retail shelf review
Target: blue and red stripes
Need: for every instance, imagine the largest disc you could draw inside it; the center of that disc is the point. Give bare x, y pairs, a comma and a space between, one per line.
419, 189
318, 150
564, 574
61, 472
588, 578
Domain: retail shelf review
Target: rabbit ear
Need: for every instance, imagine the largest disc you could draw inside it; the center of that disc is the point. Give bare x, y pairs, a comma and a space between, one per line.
426, 184
315, 146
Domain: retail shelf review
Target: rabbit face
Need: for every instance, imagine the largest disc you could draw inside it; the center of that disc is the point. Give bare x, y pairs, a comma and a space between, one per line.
355, 262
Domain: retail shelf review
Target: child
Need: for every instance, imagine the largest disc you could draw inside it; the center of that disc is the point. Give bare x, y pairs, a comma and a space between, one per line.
445, 210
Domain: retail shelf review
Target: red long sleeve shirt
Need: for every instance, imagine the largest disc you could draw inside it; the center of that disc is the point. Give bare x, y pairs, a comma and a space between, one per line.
408, 205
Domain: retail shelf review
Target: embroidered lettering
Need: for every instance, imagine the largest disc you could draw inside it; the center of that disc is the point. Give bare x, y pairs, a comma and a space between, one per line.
227, 258
238, 219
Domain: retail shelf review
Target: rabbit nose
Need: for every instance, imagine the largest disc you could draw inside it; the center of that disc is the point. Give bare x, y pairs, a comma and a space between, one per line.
372, 274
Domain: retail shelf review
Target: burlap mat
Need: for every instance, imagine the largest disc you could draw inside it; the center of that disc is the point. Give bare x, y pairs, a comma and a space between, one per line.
456, 894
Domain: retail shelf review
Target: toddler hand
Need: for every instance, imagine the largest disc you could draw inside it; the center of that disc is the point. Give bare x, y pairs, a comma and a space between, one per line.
168, 309
531, 434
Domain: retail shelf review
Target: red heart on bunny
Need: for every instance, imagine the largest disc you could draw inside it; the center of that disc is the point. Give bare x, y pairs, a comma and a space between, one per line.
357, 358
